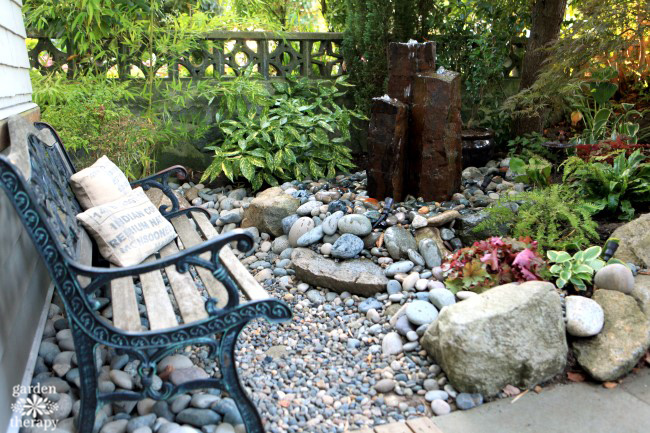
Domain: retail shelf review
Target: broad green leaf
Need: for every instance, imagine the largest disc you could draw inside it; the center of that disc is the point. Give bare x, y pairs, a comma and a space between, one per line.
558, 256
592, 253
247, 169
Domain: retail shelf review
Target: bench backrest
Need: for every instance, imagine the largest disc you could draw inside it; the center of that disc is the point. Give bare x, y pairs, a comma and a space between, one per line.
51, 170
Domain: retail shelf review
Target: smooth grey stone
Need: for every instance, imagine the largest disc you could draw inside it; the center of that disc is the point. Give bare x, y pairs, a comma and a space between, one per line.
393, 287
347, 246
330, 225
307, 208
416, 258
355, 224
436, 395
140, 421
430, 252
399, 268
441, 297
312, 236
198, 417
369, 303
421, 312
392, 344
465, 401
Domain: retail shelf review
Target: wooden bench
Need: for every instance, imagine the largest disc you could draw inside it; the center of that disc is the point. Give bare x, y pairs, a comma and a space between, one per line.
198, 303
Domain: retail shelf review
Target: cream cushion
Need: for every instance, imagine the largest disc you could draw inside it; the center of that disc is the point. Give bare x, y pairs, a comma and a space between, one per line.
102, 182
129, 229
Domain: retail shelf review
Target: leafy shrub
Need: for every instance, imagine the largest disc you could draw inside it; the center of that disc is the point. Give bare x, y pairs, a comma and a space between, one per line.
529, 146
579, 269
554, 215
301, 134
536, 172
92, 119
616, 188
609, 148
492, 262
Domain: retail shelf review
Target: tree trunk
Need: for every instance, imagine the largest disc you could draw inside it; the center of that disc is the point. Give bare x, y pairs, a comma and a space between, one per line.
546, 21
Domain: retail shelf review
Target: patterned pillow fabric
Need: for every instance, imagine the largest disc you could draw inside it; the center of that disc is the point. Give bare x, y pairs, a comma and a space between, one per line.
102, 182
129, 229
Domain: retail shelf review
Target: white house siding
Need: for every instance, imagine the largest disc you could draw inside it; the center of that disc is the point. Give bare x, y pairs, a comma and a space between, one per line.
23, 280
15, 87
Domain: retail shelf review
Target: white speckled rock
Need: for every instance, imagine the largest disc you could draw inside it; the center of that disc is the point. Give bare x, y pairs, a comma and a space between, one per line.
299, 228
584, 317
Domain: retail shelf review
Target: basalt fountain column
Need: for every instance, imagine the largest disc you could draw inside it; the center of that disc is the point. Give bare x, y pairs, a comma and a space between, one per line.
414, 138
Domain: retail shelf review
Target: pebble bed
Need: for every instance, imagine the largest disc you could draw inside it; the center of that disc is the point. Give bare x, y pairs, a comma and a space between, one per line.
344, 361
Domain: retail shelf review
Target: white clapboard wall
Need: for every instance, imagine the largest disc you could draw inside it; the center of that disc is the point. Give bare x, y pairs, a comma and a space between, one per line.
24, 283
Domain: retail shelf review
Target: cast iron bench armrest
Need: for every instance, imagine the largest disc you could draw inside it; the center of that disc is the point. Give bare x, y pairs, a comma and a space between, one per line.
182, 260
160, 180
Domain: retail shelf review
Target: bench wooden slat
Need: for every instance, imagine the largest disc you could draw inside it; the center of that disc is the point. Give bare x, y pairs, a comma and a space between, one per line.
189, 300
190, 238
249, 285
423, 425
159, 308
125, 306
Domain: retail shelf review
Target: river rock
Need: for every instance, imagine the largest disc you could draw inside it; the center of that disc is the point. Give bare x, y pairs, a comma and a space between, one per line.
330, 224
622, 342
312, 236
392, 344
347, 246
430, 252
398, 242
421, 312
307, 208
399, 268
355, 224
441, 297
511, 334
584, 317
299, 228
615, 277
634, 245
357, 276
267, 210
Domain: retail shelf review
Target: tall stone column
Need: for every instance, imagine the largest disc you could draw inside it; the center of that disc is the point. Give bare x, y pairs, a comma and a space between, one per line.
387, 139
414, 139
434, 164
405, 61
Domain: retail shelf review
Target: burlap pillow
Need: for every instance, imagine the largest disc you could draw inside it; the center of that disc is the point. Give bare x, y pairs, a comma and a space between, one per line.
100, 183
128, 230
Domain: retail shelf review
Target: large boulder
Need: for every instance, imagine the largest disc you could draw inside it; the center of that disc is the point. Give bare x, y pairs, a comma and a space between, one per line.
622, 342
634, 243
358, 276
511, 334
267, 210
641, 292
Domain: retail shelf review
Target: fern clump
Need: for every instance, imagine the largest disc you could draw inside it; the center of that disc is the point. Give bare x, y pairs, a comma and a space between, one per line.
555, 216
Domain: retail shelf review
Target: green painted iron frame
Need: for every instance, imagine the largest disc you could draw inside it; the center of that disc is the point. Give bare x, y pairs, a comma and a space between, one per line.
47, 208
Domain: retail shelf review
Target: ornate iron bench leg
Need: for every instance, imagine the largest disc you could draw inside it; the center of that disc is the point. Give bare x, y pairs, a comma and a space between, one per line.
247, 410
85, 348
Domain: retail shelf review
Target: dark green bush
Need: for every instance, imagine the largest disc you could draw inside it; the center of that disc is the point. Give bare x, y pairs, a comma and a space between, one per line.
302, 133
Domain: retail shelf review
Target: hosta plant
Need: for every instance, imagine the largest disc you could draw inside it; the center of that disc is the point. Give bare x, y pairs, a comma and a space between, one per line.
301, 134
537, 172
579, 269
492, 262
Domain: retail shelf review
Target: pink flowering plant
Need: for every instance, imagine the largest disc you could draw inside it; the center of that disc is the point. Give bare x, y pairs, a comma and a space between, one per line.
492, 262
